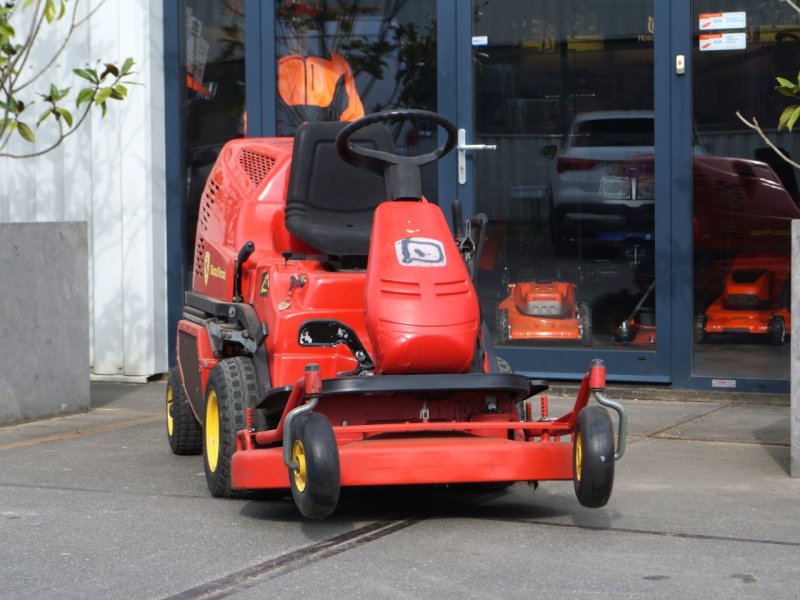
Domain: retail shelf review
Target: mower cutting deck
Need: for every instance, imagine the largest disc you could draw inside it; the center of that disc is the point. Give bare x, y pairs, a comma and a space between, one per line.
333, 336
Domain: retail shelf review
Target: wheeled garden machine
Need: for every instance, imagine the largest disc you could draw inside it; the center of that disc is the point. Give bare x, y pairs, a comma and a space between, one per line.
755, 301
333, 335
542, 311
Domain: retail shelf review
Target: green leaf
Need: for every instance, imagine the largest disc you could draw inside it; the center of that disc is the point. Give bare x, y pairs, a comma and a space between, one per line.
44, 115
105, 109
50, 11
62, 94
6, 30
25, 131
66, 114
127, 65
103, 94
63, 10
785, 91
789, 117
27, 4
85, 95
785, 82
87, 74
121, 90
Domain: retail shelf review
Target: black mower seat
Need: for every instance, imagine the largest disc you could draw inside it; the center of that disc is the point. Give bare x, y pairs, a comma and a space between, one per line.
329, 203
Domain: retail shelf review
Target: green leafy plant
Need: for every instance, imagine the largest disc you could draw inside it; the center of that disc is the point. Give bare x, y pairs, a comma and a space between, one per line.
22, 111
791, 113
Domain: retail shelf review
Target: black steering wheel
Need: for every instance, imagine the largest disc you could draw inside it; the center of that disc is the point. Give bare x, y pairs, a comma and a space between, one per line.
401, 172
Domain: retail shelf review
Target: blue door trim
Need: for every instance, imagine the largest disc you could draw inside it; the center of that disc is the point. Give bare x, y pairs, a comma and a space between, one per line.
173, 168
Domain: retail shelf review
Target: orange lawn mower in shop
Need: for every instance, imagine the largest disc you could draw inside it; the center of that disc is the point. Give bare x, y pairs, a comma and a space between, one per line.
755, 301
542, 311
333, 335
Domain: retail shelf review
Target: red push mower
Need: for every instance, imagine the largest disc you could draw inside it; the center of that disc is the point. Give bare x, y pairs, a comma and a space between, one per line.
544, 312
755, 301
333, 335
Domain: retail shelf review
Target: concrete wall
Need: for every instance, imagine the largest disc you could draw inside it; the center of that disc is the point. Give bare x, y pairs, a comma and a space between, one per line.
44, 320
110, 174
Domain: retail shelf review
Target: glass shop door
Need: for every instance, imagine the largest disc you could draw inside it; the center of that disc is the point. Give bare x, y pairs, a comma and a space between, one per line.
559, 152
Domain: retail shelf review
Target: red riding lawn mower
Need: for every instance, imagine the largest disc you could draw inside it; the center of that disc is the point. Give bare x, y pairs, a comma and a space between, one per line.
544, 311
333, 335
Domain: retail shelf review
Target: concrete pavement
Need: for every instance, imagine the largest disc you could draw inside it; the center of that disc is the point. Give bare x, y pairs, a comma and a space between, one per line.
95, 505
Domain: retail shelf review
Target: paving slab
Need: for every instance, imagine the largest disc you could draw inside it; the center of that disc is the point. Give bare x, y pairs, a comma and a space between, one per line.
96, 506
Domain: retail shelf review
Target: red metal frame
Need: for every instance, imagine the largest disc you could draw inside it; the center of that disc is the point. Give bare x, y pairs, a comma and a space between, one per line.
425, 452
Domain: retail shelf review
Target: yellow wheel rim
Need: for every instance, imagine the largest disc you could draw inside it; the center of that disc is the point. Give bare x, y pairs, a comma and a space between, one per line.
170, 400
212, 430
578, 456
299, 457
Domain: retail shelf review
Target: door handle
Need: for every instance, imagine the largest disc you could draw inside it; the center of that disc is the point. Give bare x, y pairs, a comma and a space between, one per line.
462, 148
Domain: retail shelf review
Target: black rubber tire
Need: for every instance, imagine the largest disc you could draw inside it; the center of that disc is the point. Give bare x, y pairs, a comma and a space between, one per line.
234, 388
699, 330
503, 327
585, 322
776, 331
184, 433
316, 484
593, 457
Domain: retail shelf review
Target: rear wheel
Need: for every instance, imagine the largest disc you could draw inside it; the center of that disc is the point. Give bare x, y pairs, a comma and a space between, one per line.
585, 323
776, 331
315, 482
593, 457
503, 328
700, 328
231, 389
183, 431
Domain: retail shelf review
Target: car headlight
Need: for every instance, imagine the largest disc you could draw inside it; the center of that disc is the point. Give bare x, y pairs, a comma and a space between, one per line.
615, 187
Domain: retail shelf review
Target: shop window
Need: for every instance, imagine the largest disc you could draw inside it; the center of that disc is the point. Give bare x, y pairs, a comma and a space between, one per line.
744, 195
564, 90
338, 60
213, 98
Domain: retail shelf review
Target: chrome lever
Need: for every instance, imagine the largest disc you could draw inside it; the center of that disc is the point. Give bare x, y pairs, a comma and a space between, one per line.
462, 148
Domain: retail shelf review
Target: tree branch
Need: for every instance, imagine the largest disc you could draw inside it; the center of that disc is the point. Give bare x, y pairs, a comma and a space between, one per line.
757, 128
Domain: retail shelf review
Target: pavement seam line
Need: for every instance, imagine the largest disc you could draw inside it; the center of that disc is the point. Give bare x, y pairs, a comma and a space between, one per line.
660, 432
669, 534
244, 579
59, 437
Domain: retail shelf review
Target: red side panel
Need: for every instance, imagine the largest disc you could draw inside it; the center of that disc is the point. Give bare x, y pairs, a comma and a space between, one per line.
421, 307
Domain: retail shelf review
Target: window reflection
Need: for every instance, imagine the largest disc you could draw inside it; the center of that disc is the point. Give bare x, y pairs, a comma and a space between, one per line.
213, 99
340, 59
565, 92
744, 198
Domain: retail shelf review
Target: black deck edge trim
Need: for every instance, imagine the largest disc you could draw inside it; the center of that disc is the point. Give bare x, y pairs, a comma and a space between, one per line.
518, 386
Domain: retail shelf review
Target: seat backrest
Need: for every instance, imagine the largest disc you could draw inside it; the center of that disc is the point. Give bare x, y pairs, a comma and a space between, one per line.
329, 202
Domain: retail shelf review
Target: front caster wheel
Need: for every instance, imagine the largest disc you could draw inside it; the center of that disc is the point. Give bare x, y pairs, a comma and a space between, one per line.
593, 457
315, 482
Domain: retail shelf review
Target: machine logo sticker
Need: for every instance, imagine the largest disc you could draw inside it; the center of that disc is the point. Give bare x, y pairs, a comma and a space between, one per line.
209, 269
420, 252
265, 284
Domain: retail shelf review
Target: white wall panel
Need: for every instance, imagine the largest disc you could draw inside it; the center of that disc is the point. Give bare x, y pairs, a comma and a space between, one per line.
111, 174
